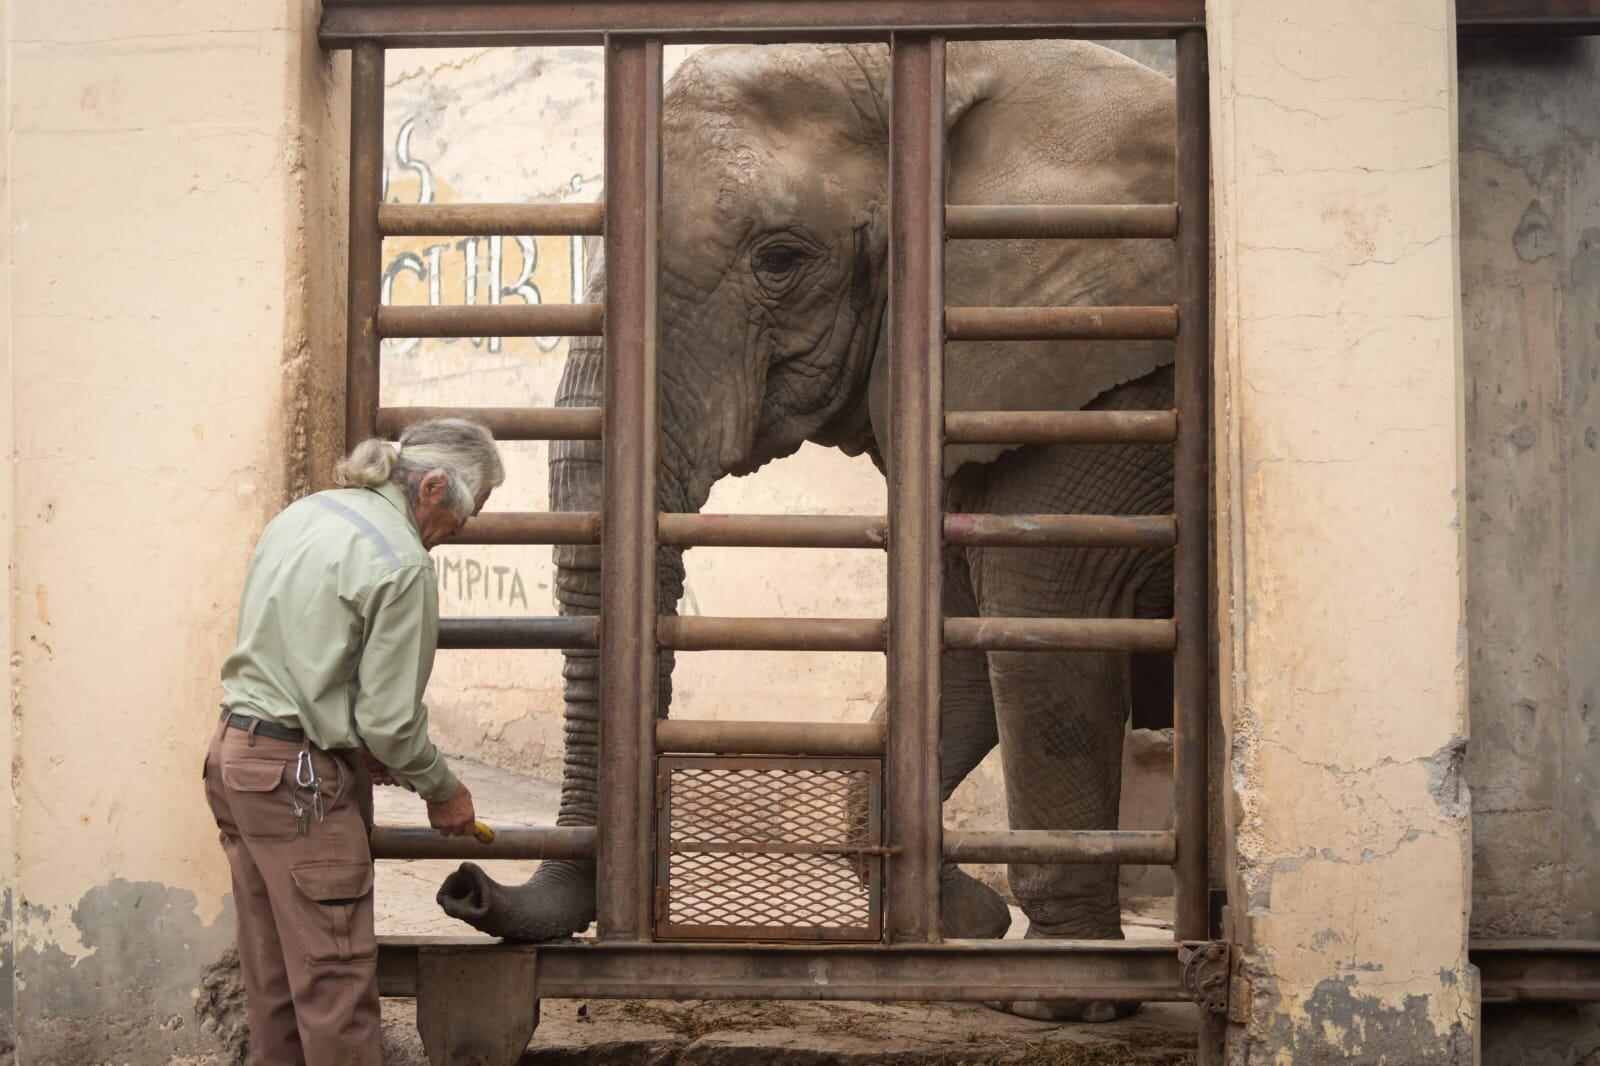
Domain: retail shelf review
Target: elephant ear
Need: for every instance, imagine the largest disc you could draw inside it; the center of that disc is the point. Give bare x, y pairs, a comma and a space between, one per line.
1048, 122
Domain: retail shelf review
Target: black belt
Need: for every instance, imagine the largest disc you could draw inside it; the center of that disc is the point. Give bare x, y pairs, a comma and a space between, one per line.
264, 728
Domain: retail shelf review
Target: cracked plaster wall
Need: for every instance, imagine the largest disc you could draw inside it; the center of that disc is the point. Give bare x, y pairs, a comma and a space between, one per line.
169, 362
1530, 266
1340, 462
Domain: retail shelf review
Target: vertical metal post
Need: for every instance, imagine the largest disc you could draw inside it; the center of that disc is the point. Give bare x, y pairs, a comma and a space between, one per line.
628, 584
366, 246
1192, 483
916, 396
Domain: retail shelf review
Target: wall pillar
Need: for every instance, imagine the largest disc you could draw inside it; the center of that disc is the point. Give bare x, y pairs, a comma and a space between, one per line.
1340, 452
172, 223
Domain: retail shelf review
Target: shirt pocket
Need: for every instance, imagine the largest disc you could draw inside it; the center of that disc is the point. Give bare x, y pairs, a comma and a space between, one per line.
259, 797
342, 921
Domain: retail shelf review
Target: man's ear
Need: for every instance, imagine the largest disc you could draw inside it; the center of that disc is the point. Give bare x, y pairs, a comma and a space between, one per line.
433, 488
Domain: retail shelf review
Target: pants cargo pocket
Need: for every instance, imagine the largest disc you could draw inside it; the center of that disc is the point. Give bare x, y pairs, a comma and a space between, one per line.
342, 891
258, 796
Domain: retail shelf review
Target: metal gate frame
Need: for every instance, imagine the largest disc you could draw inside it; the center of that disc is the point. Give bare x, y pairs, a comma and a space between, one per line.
912, 963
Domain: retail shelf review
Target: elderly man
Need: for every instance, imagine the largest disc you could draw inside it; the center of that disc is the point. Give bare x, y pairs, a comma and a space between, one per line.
337, 629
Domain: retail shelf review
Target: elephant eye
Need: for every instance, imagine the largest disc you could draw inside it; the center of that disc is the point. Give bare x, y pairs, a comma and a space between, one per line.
776, 262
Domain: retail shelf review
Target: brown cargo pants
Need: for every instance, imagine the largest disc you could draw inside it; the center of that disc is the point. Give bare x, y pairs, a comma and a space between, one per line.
303, 900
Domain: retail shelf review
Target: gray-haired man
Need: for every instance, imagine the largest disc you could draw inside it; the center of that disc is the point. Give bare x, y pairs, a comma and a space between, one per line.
337, 629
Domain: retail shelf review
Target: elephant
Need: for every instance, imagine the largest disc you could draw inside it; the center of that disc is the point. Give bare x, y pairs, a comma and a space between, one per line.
772, 304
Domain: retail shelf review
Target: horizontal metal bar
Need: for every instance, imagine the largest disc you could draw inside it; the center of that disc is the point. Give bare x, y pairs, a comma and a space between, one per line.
491, 220
1060, 427
1056, 221
686, 736
519, 842
525, 633
531, 527
1563, 17
695, 633
1542, 971
780, 847
1057, 323
772, 531
485, 23
1059, 634
1059, 531
964, 970
1124, 847
493, 320
506, 423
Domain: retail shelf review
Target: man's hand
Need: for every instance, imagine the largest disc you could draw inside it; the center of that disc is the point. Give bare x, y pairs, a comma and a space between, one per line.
453, 817
376, 770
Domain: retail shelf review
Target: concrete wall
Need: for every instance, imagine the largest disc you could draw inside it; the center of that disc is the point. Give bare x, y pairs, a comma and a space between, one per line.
1339, 466
1530, 278
173, 178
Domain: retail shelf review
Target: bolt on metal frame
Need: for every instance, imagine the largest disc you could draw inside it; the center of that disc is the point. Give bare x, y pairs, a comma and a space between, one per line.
630, 629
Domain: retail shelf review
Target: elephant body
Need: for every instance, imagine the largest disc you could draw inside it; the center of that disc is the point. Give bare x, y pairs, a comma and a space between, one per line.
773, 294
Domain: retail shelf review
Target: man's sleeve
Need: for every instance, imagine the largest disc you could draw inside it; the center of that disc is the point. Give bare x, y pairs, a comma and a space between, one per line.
396, 659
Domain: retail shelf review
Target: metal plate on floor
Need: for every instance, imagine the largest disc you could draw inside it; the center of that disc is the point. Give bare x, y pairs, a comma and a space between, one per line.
769, 848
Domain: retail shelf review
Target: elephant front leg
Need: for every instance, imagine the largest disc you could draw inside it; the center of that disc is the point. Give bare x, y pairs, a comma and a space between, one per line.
1061, 723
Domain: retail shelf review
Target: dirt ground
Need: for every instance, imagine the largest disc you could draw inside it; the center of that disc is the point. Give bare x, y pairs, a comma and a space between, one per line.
658, 1033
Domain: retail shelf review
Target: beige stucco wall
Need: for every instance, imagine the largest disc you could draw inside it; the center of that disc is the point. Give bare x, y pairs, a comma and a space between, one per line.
173, 170
1340, 452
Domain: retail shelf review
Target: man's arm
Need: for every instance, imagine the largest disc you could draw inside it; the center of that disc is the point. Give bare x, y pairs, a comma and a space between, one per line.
396, 659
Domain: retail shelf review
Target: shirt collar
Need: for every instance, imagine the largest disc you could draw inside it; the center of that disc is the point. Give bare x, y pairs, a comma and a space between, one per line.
397, 499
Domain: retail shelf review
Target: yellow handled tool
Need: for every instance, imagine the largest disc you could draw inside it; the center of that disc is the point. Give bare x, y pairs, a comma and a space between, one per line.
484, 834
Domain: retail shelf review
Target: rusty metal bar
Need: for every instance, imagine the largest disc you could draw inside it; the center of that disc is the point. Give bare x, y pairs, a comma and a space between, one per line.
531, 527
773, 531
916, 404
518, 842
1060, 323
548, 634
493, 320
1123, 847
696, 633
985, 222
1537, 971
1059, 634
629, 592
1059, 531
484, 23
684, 736
959, 970
1191, 492
1528, 16
365, 250
1060, 427
506, 423
491, 220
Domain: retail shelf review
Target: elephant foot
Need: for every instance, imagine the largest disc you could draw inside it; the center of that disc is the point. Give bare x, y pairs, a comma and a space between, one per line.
1093, 1011
970, 909
557, 902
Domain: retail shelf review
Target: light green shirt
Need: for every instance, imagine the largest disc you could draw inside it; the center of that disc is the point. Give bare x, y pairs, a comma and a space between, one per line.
337, 629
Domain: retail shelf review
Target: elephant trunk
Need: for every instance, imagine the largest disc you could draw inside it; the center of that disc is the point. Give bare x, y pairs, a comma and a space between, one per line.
560, 898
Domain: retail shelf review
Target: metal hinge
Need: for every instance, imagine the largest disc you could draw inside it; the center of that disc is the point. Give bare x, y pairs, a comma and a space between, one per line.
1206, 974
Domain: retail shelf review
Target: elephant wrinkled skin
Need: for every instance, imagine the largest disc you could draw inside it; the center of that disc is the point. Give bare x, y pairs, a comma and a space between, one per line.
772, 307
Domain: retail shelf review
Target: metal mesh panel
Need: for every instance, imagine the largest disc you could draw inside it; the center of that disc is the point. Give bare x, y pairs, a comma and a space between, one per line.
770, 849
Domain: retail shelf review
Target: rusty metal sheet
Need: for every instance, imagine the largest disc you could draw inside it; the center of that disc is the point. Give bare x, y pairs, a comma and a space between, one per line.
769, 848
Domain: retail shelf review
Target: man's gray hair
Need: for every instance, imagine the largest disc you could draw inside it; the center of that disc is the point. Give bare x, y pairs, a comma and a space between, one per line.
464, 450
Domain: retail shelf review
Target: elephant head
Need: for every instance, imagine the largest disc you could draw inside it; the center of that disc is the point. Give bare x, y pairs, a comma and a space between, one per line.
773, 292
